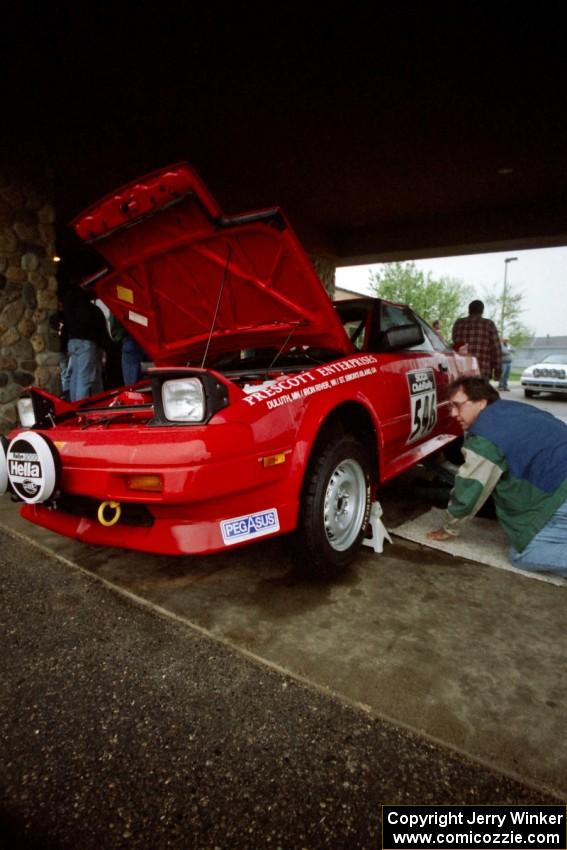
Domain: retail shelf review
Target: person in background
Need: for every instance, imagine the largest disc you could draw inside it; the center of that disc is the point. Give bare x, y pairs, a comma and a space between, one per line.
437, 328
88, 339
507, 353
480, 338
517, 453
132, 355
57, 323
132, 358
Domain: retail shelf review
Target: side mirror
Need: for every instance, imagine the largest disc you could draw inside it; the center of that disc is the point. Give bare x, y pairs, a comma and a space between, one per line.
400, 338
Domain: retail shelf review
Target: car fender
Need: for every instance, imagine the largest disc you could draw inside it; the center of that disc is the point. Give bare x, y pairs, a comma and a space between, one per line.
354, 413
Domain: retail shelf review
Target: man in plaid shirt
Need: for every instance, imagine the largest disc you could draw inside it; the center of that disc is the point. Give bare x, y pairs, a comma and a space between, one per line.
481, 338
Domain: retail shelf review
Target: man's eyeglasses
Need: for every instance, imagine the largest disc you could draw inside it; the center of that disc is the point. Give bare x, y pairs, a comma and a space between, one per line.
456, 405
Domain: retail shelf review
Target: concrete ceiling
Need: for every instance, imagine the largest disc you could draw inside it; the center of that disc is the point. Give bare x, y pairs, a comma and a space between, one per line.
381, 134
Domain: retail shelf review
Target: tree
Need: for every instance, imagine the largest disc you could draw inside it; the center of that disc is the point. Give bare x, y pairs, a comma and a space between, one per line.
505, 310
445, 299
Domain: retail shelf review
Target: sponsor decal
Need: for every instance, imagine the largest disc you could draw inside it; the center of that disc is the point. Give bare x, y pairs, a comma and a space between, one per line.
125, 294
313, 381
31, 467
249, 526
423, 403
24, 469
138, 318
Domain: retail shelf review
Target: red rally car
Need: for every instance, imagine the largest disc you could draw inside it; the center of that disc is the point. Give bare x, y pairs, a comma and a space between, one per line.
269, 408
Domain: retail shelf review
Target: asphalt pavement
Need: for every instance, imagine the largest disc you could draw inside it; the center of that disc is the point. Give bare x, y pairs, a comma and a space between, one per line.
124, 728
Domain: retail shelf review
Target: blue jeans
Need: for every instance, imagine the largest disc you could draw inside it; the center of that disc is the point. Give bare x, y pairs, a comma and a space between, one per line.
85, 368
132, 356
548, 549
64, 367
503, 382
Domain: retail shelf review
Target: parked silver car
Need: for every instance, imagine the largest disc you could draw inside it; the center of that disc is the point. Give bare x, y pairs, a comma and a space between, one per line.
549, 376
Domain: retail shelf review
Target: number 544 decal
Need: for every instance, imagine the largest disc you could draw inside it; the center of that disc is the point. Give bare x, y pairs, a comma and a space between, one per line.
423, 398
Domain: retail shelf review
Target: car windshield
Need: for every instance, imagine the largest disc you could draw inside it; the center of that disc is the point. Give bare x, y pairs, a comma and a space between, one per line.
356, 321
367, 327
555, 358
247, 359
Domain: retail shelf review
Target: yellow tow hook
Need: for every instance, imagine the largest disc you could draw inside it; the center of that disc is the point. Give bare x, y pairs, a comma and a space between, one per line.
102, 516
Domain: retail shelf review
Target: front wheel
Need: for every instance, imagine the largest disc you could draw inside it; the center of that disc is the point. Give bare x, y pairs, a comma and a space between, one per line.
335, 507
529, 393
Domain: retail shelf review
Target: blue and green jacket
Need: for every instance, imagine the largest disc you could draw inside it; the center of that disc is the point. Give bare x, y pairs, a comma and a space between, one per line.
519, 454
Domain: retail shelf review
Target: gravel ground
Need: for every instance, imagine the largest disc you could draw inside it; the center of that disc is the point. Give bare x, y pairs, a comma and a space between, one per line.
121, 728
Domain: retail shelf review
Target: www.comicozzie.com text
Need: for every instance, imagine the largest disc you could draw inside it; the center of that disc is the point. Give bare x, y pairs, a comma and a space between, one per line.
500, 827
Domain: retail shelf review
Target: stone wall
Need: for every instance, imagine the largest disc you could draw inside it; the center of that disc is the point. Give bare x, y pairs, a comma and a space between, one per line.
28, 294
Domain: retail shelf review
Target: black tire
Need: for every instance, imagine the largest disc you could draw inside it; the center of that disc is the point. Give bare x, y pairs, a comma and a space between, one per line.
529, 393
335, 507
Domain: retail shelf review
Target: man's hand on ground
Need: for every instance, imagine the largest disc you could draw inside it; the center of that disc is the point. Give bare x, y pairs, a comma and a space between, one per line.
439, 534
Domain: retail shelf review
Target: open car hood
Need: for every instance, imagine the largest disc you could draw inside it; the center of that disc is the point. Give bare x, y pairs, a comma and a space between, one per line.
185, 280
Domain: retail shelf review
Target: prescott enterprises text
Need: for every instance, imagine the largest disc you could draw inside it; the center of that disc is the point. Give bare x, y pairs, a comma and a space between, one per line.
474, 826
307, 378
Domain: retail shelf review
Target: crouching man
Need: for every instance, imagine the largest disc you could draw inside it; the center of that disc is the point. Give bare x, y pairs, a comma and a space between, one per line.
519, 454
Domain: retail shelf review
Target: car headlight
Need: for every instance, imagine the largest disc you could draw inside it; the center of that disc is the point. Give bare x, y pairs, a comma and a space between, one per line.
26, 412
183, 400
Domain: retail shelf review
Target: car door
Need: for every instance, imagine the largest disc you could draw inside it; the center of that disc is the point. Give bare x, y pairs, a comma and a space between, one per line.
413, 382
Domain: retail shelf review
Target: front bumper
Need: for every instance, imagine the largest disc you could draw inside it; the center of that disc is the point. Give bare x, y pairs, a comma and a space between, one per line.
208, 475
543, 385
190, 529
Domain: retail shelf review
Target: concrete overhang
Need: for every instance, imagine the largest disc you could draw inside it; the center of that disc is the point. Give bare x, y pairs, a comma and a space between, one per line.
382, 136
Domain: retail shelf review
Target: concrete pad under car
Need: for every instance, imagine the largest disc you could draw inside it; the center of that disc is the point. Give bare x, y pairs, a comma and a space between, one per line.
467, 655
482, 541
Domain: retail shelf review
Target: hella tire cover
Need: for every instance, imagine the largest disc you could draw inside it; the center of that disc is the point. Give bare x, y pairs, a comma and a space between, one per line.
3, 465
32, 470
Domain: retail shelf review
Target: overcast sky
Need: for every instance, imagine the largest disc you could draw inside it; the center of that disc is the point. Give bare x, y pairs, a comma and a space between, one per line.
540, 274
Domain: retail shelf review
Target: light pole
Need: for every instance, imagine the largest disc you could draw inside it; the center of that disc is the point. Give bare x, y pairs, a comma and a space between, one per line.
504, 294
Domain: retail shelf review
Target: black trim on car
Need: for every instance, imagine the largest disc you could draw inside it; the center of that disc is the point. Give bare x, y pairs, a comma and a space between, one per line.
272, 217
43, 410
132, 513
